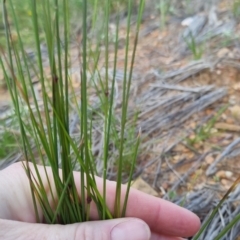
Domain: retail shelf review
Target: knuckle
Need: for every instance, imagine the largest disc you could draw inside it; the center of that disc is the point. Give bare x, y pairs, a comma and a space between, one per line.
87, 232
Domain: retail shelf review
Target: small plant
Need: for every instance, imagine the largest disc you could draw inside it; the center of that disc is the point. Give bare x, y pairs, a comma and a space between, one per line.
7, 143
196, 49
172, 195
48, 122
164, 8
188, 6
236, 8
205, 131
9, 136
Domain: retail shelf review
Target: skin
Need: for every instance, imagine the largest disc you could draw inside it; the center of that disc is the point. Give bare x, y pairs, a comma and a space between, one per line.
147, 217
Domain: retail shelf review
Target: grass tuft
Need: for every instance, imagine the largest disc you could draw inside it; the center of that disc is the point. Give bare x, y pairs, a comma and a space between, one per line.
48, 117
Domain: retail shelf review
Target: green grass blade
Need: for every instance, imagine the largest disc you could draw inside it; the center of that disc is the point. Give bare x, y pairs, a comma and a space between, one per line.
215, 211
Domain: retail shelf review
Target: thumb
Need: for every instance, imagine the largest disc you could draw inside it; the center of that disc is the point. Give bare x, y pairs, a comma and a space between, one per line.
117, 229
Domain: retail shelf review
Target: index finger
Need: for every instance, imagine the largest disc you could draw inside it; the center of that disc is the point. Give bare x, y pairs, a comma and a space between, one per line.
162, 216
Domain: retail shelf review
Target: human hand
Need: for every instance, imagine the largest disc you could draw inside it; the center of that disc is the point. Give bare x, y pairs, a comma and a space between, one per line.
147, 217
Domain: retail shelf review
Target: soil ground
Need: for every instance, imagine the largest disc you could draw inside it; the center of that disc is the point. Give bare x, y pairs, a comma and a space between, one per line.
164, 60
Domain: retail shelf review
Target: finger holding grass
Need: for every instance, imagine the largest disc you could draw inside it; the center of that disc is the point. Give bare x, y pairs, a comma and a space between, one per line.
144, 212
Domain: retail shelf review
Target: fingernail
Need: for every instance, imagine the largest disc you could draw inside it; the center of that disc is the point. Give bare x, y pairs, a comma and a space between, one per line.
134, 230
